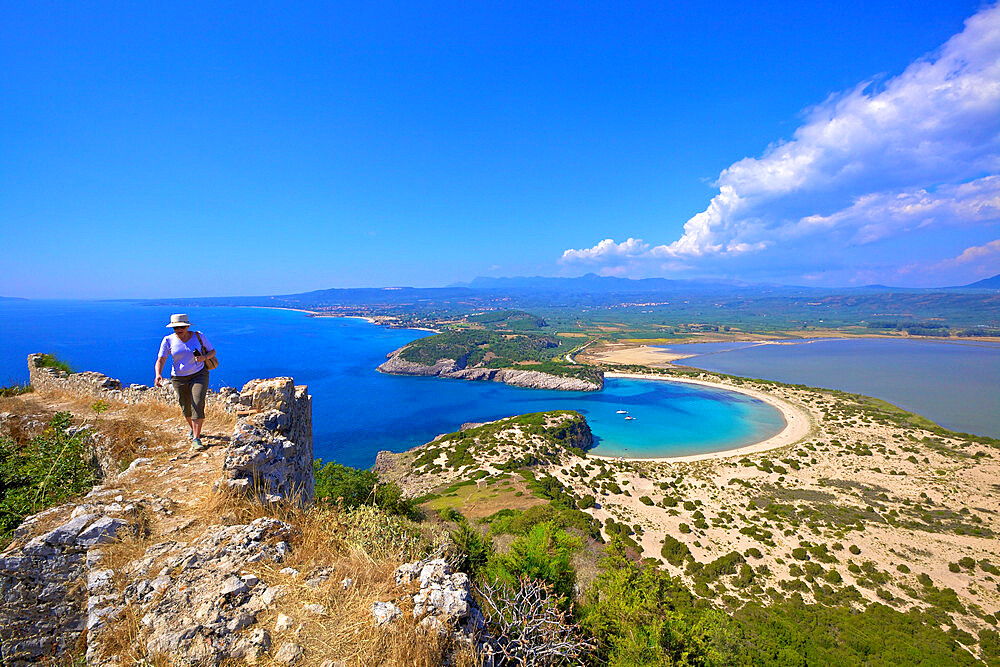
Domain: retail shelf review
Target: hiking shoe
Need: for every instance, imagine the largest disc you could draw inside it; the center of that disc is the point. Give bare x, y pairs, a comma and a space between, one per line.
191, 434
196, 445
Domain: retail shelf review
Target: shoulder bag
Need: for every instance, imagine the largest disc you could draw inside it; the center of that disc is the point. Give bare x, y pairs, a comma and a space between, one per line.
212, 363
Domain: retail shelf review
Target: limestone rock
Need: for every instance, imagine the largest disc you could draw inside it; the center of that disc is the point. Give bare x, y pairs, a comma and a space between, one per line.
289, 654
102, 531
67, 533
385, 612
443, 603
270, 452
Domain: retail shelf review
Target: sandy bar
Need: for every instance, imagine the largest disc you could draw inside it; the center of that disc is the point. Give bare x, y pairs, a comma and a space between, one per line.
295, 310
797, 423
644, 355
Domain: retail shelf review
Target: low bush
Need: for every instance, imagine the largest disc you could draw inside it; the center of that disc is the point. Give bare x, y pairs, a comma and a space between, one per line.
15, 390
543, 554
350, 487
52, 361
674, 551
45, 471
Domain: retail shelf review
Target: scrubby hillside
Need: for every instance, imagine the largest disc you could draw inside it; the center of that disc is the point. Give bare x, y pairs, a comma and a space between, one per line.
513, 347
878, 525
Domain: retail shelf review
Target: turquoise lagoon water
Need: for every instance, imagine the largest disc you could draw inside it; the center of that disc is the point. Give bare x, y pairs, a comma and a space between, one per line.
357, 411
954, 383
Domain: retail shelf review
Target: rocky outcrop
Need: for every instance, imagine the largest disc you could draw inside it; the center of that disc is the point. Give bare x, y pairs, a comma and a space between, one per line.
543, 438
195, 598
51, 590
271, 450
443, 602
450, 368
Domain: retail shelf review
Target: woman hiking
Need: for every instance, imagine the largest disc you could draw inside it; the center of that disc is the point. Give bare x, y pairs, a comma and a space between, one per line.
188, 350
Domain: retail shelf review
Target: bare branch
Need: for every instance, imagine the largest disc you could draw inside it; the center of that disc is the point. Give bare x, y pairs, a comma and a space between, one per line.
528, 628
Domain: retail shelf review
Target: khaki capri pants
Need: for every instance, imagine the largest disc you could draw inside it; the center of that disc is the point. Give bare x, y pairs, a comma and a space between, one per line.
191, 391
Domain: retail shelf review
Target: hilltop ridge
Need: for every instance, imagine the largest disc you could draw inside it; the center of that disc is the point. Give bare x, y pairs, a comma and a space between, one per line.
192, 558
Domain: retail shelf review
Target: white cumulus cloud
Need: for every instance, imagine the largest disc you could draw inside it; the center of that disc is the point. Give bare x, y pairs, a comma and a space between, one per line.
879, 164
980, 261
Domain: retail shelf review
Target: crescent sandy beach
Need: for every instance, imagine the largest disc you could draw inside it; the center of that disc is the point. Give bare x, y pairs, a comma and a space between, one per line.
797, 422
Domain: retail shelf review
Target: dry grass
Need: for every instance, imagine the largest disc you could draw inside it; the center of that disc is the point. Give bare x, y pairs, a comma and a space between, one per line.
118, 638
118, 555
346, 631
26, 405
152, 412
321, 543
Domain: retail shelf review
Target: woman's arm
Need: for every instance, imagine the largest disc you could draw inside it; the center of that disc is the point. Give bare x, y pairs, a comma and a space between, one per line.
158, 371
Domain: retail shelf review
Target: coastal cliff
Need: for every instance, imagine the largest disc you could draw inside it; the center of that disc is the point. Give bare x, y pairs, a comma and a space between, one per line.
395, 364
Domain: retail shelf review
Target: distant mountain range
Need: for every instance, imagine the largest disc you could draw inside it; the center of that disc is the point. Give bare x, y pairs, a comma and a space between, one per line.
985, 283
596, 284
655, 301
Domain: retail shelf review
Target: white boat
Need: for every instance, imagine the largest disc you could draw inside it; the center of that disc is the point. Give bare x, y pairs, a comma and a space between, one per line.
622, 412
629, 417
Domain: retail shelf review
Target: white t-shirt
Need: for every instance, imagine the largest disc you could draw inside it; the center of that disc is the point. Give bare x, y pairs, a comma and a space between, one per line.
182, 354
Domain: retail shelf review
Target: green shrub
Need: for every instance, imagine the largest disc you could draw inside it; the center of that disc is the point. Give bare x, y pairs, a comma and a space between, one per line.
518, 522
51, 361
674, 551
684, 528
47, 470
475, 548
854, 549
543, 554
15, 390
350, 487
989, 567
953, 567
646, 500
723, 565
640, 615
989, 643
967, 562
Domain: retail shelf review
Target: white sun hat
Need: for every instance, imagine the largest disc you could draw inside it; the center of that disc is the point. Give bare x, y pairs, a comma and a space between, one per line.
178, 320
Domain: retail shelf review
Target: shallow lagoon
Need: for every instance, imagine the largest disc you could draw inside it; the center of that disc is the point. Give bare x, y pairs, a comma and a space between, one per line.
954, 383
357, 411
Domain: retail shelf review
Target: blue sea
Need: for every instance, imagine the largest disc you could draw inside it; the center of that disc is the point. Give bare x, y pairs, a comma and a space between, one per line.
356, 410
955, 383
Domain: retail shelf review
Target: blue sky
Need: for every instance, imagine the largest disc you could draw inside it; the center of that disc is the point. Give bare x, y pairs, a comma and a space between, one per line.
257, 148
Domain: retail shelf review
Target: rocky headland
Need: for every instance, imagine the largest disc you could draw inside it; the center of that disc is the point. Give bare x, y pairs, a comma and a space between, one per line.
452, 368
